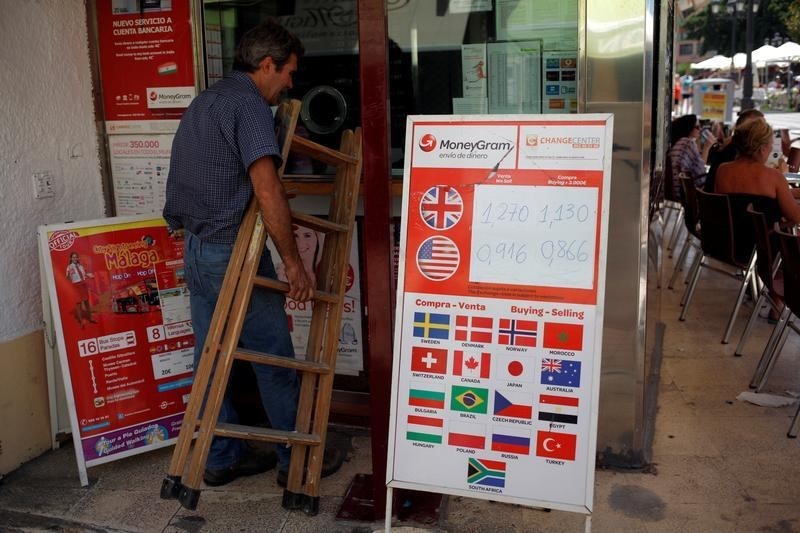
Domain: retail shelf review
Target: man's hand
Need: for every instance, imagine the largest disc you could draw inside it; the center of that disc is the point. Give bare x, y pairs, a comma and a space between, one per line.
276, 216
301, 287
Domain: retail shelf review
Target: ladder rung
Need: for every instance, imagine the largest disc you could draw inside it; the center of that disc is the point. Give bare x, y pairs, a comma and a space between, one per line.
282, 286
285, 362
266, 434
321, 153
316, 223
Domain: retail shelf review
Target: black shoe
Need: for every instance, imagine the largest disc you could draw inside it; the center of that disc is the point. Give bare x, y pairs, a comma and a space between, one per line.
331, 462
250, 463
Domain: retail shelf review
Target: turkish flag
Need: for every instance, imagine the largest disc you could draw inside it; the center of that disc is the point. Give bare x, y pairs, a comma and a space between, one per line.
555, 445
559, 336
430, 360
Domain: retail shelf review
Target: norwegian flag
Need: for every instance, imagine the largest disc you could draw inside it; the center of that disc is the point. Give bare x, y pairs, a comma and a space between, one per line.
515, 332
441, 207
473, 328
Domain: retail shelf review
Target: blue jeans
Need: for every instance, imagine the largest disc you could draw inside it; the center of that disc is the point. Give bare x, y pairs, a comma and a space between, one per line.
265, 329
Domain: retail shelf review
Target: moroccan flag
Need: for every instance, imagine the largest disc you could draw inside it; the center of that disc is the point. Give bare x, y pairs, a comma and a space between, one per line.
466, 435
558, 336
473, 328
424, 429
556, 445
486, 472
471, 366
507, 404
421, 395
513, 332
469, 399
561, 409
430, 360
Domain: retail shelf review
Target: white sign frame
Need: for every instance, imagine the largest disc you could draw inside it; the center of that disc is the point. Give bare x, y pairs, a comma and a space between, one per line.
553, 162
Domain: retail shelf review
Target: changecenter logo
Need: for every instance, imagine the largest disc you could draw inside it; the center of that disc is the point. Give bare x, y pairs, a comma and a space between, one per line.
531, 140
427, 143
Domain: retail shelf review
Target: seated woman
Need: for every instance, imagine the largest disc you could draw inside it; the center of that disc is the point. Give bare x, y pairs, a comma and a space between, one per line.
749, 175
684, 154
748, 180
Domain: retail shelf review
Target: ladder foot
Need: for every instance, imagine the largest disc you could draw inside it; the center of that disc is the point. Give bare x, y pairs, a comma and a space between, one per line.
189, 498
171, 488
311, 505
292, 500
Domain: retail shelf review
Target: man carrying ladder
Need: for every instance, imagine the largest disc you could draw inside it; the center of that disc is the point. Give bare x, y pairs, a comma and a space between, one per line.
224, 152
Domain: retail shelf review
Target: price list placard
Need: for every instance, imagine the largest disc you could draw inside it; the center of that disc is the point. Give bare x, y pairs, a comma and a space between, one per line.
499, 310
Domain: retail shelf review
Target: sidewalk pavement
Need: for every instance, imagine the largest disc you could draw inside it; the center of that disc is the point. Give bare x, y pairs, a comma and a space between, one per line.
719, 464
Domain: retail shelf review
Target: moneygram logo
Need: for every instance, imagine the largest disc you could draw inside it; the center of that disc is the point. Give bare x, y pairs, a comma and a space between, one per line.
427, 143
169, 97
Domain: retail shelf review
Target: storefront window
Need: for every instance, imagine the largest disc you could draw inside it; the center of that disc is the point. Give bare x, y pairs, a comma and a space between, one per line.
480, 56
327, 81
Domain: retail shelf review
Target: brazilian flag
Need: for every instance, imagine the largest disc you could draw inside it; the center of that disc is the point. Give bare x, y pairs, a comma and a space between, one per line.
469, 399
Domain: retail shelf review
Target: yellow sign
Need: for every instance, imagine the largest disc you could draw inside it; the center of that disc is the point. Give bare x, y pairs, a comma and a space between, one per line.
714, 105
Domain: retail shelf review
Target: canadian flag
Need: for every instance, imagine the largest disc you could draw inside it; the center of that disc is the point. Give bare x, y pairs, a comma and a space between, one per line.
470, 365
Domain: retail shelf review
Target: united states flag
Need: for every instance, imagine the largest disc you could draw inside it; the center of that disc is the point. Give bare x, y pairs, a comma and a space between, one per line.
438, 258
441, 207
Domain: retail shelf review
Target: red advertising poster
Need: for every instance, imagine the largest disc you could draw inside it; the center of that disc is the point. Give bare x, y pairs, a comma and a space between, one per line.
146, 59
121, 310
500, 307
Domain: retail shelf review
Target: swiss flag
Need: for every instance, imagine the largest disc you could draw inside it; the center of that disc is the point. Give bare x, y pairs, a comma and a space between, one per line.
469, 365
558, 336
430, 360
555, 445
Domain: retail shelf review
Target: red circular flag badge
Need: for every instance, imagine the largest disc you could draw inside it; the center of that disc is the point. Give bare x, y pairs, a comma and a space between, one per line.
441, 207
438, 258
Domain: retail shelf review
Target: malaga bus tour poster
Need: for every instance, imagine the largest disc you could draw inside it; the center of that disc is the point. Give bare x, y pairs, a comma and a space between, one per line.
121, 312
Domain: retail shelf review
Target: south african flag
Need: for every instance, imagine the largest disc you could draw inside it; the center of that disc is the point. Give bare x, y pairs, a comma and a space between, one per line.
486, 472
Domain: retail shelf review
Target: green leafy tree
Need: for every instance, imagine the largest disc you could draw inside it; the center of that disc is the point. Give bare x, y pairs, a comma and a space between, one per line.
714, 30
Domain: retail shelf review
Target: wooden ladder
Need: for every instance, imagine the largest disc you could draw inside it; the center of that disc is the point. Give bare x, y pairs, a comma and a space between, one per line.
316, 372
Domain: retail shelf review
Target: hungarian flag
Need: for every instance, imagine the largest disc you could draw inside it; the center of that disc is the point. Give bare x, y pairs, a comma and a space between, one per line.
472, 366
555, 445
424, 429
474, 328
513, 332
558, 336
430, 360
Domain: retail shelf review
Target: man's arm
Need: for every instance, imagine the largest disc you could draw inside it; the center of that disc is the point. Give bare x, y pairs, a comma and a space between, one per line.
277, 219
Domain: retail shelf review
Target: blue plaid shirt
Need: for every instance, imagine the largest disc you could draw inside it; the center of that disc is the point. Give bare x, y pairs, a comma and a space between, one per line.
224, 131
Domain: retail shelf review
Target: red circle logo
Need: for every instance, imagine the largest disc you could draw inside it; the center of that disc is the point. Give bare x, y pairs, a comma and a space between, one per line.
427, 143
153, 96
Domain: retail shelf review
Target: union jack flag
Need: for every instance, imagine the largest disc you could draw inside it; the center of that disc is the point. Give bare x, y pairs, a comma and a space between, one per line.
441, 207
551, 365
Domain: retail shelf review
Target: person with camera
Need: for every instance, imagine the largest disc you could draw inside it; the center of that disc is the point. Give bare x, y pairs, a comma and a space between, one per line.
687, 158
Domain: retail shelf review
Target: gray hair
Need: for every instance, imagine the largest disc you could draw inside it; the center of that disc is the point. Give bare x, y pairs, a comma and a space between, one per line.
268, 39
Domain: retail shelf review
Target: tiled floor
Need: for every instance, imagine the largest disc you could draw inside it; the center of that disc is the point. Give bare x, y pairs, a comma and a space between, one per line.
719, 464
